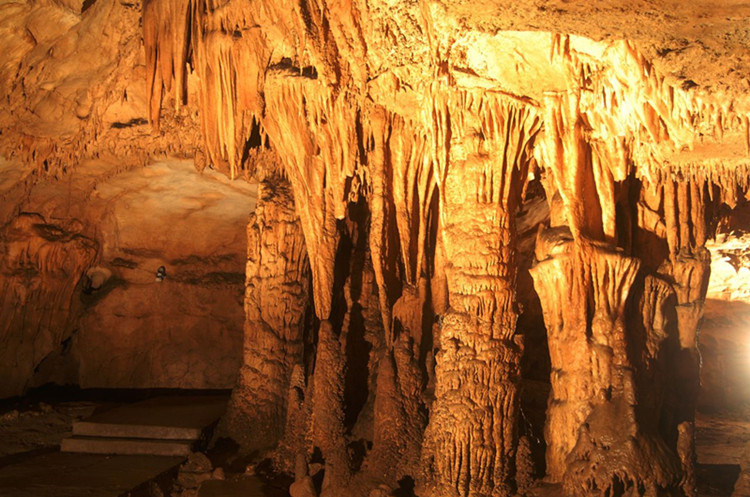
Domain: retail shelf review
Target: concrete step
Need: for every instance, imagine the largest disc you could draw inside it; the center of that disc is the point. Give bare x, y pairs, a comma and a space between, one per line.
115, 430
163, 426
126, 446
174, 417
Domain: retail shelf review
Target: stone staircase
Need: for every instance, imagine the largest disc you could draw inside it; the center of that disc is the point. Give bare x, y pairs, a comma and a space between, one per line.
160, 426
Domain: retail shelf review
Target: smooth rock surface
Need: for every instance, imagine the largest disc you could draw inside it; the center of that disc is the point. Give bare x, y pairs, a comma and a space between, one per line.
78, 475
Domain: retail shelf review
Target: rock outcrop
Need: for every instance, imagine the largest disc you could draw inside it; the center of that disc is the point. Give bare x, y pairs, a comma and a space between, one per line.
41, 266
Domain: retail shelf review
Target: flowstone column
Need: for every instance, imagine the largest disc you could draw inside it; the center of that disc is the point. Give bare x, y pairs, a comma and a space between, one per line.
688, 267
276, 303
599, 436
483, 145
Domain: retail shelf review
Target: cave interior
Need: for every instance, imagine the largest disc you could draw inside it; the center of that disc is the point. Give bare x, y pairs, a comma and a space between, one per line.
438, 248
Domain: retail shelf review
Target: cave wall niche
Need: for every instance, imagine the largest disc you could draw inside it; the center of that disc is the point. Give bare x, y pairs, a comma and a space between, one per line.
81, 302
434, 190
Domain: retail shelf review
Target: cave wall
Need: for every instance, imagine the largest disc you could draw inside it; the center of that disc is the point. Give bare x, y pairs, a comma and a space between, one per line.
82, 301
41, 266
182, 332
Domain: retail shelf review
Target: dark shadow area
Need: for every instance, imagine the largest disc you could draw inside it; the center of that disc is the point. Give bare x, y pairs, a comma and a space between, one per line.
357, 450
353, 255
405, 487
133, 122
87, 5
317, 478
23, 456
222, 453
288, 65
535, 361
716, 479
274, 484
162, 484
51, 393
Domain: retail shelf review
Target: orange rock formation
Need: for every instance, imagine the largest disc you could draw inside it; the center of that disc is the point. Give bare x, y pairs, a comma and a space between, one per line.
395, 143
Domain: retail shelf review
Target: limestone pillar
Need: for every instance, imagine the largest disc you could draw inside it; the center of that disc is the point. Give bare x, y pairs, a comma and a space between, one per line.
276, 303
483, 146
606, 329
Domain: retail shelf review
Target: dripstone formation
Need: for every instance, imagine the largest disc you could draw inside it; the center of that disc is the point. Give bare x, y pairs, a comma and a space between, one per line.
401, 149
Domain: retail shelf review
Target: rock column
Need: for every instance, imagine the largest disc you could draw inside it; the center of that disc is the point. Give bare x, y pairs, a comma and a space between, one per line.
599, 433
276, 303
482, 145
688, 267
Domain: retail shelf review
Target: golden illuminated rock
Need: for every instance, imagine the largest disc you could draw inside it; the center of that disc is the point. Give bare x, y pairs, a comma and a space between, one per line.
388, 276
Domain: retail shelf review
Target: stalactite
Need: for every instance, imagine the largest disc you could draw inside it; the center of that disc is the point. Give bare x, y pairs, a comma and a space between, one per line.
398, 235
383, 245
228, 67
317, 133
166, 40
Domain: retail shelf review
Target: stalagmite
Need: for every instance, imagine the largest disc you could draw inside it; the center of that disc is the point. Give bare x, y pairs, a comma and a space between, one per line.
276, 310
327, 410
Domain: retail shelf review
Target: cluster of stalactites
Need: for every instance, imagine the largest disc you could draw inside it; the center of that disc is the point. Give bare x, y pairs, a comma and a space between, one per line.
626, 114
316, 134
418, 166
184, 35
623, 97
232, 57
166, 40
619, 118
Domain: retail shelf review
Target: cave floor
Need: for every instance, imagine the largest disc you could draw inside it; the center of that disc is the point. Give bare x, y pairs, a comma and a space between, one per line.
720, 440
58, 474
33, 429
241, 486
32, 465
